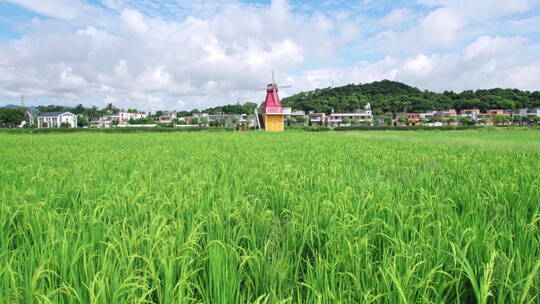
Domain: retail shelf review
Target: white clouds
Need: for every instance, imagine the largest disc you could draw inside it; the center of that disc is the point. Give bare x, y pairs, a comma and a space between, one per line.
482, 9
144, 59
488, 62
133, 22
63, 9
487, 47
226, 49
441, 27
74, 11
448, 24
397, 16
420, 65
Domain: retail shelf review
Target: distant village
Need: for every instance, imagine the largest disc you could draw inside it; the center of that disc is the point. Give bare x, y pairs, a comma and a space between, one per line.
360, 117
272, 115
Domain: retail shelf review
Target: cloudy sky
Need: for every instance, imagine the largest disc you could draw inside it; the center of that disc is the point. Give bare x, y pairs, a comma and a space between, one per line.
184, 54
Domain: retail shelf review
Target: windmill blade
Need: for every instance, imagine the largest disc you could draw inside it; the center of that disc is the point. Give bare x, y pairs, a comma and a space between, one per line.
261, 89
285, 86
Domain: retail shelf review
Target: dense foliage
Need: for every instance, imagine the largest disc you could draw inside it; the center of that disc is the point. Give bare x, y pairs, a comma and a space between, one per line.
357, 217
157, 129
247, 108
142, 121
11, 117
54, 108
390, 96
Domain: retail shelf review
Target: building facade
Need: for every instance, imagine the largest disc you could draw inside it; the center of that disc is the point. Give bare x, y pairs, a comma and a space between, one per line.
56, 119
316, 119
363, 117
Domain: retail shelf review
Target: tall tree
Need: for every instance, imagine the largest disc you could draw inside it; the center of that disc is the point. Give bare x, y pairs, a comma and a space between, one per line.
11, 117
110, 109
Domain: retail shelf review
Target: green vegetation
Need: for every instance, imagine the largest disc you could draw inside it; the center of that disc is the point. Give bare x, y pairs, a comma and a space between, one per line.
294, 217
142, 121
247, 108
390, 96
11, 118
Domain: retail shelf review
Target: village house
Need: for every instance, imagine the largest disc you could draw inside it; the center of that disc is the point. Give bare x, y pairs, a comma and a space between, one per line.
472, 114
406, 119
108, 121
449, 117
446, 113
298, 118
56, 119
201, 115
248, 119
363, 117
534, 112
316, 119
428, 116
119, 119
167, 117
126, 116
493, 113
227, 119
529, 113
347, 119
202, 118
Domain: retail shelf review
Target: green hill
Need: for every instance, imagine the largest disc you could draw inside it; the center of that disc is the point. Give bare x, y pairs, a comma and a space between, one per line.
391, 96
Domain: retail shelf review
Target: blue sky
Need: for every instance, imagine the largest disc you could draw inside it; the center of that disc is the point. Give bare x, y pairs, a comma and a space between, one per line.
181, 54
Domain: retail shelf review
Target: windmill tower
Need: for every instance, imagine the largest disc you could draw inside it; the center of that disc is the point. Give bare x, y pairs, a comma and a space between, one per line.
272, 112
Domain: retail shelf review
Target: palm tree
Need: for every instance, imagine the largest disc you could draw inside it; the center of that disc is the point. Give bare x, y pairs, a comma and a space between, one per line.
93, 113
110, 109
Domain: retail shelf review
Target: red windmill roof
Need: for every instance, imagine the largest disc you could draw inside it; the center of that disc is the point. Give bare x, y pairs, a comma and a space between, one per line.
272, 104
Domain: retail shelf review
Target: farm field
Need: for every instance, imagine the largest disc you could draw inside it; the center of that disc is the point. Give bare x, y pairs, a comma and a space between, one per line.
248, 217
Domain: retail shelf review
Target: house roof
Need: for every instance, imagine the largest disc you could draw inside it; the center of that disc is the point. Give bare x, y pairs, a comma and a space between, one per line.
54, 114
349, 114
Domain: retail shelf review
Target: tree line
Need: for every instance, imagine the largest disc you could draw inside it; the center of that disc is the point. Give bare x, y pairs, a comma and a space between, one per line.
391, 96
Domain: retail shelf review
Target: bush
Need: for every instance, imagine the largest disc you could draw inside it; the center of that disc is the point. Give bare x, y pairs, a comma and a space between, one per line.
112, 130
142, 121
319, 129
404, 128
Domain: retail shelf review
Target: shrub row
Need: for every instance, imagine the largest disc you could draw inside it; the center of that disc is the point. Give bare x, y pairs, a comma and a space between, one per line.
116, 130
405, 128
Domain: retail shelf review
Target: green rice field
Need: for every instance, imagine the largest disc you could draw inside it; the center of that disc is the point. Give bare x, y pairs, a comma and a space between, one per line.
253, 217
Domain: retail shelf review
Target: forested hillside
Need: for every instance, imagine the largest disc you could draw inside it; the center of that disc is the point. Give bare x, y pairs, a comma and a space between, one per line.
391, 96
247, 108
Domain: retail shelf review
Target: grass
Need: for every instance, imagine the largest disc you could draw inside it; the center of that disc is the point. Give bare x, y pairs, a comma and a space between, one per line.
249, 217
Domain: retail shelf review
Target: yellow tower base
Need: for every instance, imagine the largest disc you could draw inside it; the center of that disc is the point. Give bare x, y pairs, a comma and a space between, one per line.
273, 123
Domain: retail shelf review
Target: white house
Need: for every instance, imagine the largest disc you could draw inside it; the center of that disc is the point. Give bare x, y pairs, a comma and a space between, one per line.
167, 117
362, 116
531, 112
56, 119
125, 116
121, 119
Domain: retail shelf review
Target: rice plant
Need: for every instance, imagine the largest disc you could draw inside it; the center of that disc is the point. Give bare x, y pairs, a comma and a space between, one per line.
355, 217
